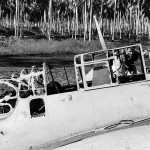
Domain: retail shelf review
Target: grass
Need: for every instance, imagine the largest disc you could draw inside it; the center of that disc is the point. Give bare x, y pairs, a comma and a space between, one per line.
69, 46
31, 46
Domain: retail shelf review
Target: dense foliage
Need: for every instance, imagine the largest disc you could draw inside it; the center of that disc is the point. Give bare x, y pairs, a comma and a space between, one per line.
74, 17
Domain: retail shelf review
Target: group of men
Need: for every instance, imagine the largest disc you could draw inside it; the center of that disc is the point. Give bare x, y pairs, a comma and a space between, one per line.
124, 63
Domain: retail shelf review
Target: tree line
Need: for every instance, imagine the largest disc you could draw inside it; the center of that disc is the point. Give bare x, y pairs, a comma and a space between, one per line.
117, 18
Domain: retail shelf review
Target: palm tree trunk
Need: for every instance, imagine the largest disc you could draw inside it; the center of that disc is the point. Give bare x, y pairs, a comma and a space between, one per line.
75, 21
90, 27
113, 33
137, 22
130, 23
17, 18
0, 11
149, 30
7, 22
85, 20
142, 25
49, 19
120, 23
68, 24
21, 18
101, 16
44, 24
111, 26
146, 25
10, 20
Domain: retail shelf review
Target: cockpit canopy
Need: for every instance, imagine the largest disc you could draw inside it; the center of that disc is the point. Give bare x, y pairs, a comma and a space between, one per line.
109, 67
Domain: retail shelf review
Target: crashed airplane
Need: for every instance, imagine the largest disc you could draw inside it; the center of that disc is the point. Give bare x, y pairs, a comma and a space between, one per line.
110, 93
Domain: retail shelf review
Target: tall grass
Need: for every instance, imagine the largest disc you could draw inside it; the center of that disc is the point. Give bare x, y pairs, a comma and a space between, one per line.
69, 46
31, 46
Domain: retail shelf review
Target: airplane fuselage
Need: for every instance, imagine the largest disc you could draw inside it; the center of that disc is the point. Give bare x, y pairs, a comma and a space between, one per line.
72, 113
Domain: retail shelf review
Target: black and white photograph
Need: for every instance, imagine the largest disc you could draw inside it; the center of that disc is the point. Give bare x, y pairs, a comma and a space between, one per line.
74, 74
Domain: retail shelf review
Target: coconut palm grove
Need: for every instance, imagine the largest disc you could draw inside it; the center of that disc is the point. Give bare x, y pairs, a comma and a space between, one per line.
74, 18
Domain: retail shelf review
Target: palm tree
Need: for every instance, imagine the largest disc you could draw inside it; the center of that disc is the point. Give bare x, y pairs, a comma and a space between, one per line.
120, 10
90, 27
146, 9
7, 11
85, 19
49, 19
17, 19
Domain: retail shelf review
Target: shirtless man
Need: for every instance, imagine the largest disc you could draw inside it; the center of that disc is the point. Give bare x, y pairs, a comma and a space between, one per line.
128, 64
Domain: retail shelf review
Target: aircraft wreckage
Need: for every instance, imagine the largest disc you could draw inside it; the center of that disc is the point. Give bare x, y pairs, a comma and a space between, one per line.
110, 91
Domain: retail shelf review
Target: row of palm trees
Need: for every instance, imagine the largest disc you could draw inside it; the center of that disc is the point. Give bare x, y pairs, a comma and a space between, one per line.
115, 17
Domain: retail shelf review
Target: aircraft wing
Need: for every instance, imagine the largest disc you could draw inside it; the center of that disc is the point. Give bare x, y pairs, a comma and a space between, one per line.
133, 138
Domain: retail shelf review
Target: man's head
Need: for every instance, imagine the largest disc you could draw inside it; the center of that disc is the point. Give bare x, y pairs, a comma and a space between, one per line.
132, 53
129, 52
